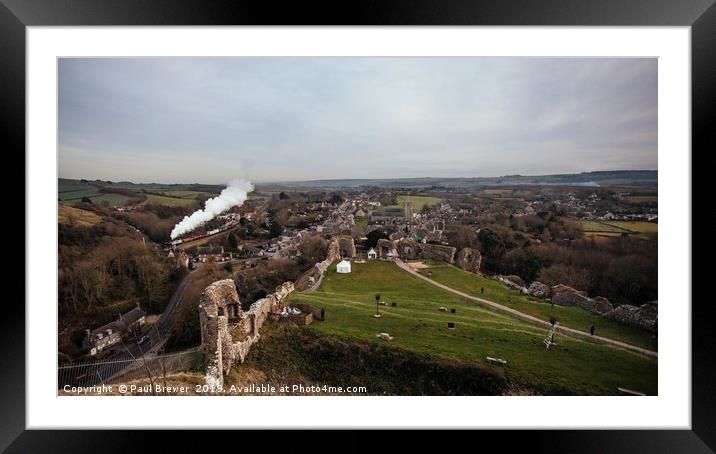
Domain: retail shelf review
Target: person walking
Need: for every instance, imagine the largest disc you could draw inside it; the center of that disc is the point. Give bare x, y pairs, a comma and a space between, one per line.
591, 330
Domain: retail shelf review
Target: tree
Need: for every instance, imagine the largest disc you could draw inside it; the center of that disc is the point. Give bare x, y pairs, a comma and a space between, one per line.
461, 236
492, 248
374, 236
275, 229
314, 248
521, 262
233, 241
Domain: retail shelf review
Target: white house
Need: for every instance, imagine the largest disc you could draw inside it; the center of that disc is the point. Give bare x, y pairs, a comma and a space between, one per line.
343, 267
372, 254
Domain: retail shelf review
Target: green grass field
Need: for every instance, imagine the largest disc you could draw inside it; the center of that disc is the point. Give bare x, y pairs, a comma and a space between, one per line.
113, 199
642, 198
189, 194
618, 227
71, 196
572, 317
418, 201
636, 226
599, 226
493, 191
571, 367
172, 201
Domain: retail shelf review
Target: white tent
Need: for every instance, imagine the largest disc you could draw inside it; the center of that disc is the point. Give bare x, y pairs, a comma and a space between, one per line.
343, 267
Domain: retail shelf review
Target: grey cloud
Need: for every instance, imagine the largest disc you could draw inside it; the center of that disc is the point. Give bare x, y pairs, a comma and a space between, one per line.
268, 119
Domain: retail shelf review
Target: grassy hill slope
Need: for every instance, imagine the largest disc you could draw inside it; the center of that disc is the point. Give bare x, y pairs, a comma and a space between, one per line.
571, 367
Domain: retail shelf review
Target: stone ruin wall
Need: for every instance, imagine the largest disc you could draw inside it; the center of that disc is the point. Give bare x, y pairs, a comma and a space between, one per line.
222, 320
644, 316
346, 246
598, 305
412, 250
220, 316
438, 252
311, 277
408, 249
383, 247
469, 259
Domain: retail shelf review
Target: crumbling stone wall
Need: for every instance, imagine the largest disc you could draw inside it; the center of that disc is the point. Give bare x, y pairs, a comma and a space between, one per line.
469, 259
539, 289
346, 246
408, 249
438, 252
227, 332
412, 250
384, 247
509, 281
570, 297
644, 316
311, 277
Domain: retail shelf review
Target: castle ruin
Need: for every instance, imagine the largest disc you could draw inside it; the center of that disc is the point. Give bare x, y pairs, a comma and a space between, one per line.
227, 332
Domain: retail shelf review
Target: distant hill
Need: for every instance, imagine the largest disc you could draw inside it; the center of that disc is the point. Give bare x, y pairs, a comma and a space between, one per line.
636, 178
633, 178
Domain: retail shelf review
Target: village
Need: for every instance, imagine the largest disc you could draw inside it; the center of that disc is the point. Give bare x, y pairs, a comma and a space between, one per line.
428, 219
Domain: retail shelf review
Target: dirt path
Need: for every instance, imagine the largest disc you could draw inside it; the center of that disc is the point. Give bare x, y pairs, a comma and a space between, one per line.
531, 319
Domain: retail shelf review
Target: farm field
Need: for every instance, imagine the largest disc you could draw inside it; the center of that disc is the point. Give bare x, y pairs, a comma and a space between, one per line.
494, 191
112, 199
418, 201
615, 228
601, 227
642, 198
571, 367
189, 194
65, 185
69, 196
164, 200
572, 317
70, 215
636, 226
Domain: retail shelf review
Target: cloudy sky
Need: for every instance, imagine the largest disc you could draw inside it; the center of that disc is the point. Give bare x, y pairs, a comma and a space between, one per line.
210, 120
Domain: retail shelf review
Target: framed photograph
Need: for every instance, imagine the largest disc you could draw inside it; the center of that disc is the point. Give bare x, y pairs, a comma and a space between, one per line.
412, 217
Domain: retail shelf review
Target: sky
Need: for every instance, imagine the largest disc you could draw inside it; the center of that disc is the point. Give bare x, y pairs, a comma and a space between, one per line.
211, 120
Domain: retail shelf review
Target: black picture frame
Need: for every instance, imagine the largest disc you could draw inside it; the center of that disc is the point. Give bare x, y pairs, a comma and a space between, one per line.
700, 15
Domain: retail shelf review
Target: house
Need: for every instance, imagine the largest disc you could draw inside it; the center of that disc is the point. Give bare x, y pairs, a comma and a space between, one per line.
343, 267
210, 250
372, 254
111, 333
184, 259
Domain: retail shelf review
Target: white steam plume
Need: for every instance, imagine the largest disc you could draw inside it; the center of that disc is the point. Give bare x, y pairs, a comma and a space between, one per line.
235, 194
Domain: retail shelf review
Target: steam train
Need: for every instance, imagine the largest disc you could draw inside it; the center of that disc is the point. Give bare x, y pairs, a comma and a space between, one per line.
223, 228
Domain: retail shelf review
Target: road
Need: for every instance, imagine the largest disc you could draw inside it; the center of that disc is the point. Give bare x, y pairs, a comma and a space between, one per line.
530, 319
